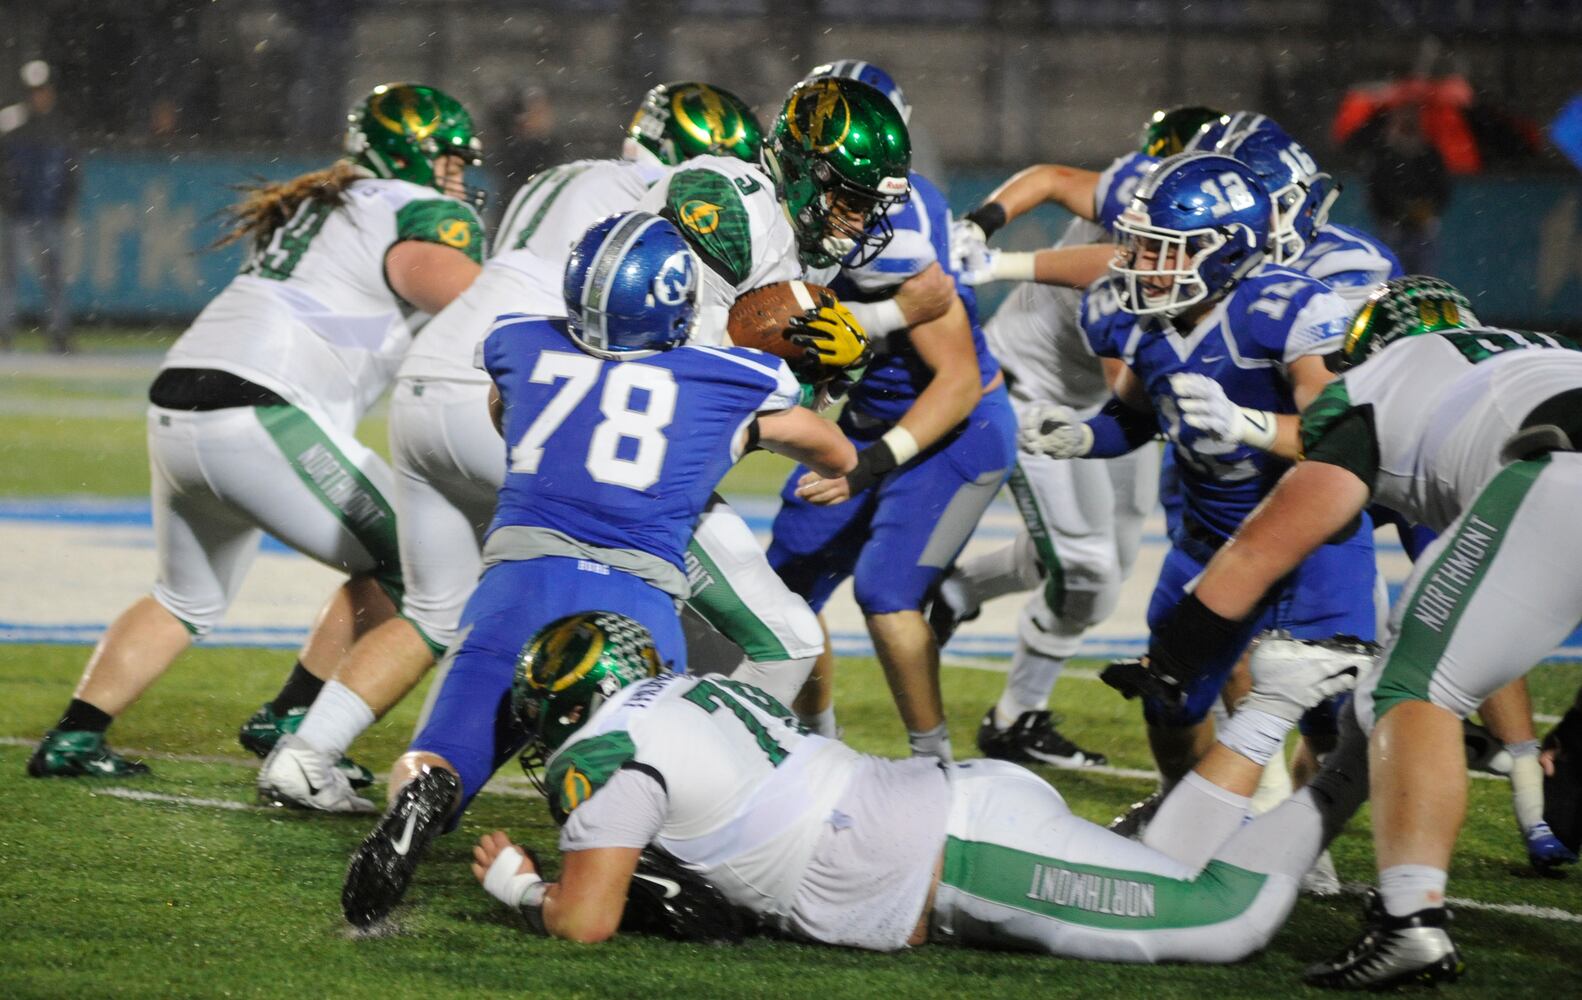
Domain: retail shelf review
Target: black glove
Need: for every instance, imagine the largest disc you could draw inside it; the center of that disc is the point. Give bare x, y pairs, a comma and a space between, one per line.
668, 899
1134, 679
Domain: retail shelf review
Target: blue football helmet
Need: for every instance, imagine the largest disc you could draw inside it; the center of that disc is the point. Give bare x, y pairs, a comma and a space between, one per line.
1215, 135
631, 285
1301, 193
873, 76
1196, 225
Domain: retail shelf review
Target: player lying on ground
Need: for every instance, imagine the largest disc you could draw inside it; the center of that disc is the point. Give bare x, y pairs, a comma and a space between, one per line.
810, 839
1472, 432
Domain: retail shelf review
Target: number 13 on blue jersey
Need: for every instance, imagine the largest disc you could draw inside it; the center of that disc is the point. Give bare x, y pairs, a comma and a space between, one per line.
578, 373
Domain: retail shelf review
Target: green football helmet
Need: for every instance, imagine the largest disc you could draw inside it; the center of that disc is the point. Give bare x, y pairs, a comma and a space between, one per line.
1168, 131
839, 144
575, 662
1404, 307
678, 121
400, 129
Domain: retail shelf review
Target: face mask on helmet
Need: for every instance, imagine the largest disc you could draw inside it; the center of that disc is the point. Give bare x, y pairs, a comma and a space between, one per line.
567, 670
415, 133
1301, 194
839, 157
1215, 135
1400, 308
1197, 224
631, 284
677, 121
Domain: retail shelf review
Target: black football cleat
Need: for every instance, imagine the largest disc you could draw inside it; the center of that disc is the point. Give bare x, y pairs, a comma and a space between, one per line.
1033, 739
1413, 950
382, 866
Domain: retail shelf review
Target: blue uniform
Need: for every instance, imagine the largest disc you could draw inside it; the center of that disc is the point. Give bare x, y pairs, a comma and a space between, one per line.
1116, 186
900, 535
1271, 318
1349, 261
610, 465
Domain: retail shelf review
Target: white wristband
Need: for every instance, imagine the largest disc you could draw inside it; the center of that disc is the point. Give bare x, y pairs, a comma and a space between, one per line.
1013, 266
502, 880
902, 444
1259, 428
879, 319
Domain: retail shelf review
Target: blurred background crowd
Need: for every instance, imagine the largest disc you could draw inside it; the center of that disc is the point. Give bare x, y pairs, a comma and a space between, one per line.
122, 125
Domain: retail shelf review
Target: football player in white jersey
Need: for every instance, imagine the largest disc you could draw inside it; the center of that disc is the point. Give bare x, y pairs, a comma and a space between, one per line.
1083, 520
255, 407
1472, 432
804, 837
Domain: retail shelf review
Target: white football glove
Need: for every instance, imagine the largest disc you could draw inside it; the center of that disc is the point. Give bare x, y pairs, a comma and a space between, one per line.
1054, 430
968, 246
1205, 407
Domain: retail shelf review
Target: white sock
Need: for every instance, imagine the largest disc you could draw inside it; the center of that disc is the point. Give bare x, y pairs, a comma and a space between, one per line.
338, 716
822, 723
1008, 709
1527, 783
1255, 734
1006, 570
1033, 676
780, 679
1409, 888
931, 743
1195, 820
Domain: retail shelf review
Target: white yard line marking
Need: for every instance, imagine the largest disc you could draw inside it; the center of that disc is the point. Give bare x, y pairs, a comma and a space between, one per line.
138, 795
1516, 909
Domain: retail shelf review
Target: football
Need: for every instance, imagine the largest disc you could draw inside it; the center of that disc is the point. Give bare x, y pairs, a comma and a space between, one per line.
760, 318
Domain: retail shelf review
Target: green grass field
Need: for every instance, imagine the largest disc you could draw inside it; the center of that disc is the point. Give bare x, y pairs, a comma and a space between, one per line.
186, 889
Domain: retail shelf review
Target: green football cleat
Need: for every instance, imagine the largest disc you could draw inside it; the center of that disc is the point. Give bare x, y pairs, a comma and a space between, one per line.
260, 733
79, 754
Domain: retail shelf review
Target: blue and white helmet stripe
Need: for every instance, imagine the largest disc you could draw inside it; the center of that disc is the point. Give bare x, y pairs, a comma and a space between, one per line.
631, 285
873, 76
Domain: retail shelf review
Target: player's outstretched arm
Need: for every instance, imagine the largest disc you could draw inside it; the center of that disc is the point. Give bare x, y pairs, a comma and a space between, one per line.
585, 905
1065, 267
1311, 504
428, 275
805, 437
1069, 187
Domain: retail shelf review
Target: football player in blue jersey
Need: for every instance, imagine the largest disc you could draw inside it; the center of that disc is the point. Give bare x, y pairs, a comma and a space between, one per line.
616, 432
937, 439
1206, 305
1084, 520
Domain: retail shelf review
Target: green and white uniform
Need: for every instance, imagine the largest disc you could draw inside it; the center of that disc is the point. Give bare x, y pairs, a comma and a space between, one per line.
549, 214
822, 843
728, 212
1424, 424
312, 319
448, 459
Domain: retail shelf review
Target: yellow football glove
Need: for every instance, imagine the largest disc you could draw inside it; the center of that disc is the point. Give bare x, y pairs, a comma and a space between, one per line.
831, 338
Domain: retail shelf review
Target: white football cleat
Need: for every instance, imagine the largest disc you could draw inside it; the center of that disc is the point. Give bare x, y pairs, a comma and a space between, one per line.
1290, 676
301, 777
1322, 879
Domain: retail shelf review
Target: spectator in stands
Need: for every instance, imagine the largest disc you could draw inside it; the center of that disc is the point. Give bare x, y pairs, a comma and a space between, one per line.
1408, 189
38, 187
